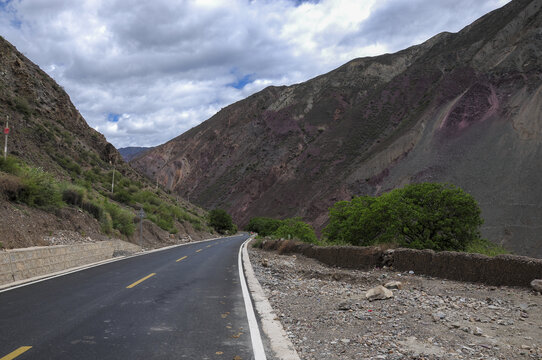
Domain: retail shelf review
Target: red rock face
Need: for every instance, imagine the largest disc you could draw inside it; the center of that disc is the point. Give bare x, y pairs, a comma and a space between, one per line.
459, 108
476, 104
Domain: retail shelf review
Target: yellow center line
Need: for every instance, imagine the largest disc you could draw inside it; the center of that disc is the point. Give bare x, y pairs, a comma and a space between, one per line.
199, 250
184, 257
16, 353
209, 246
137, 282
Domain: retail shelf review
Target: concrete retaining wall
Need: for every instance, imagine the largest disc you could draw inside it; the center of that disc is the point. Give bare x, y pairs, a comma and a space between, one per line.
501, 270
20, 264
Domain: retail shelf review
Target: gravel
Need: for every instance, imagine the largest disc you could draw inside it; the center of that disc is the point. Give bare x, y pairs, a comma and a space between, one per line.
327, 316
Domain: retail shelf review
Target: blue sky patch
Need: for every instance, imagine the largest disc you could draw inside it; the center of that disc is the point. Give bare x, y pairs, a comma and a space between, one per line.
299, 2
6, 7
4, 4
241, 82
111, 117
16, 23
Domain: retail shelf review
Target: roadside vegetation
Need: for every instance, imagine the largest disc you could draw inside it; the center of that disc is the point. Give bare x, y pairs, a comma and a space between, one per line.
293, 228
90, 191
420, 216
222, 222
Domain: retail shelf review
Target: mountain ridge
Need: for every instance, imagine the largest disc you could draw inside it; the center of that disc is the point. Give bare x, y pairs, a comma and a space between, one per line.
459, 108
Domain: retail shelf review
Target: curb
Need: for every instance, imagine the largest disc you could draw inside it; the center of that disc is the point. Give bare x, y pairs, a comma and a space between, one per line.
280, 344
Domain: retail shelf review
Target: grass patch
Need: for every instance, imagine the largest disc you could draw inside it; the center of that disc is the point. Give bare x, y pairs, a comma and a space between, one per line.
485, 247
257, 243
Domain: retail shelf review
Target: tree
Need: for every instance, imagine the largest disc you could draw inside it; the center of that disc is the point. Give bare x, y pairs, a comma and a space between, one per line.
295, 228
422, 216
263, 226
221, 221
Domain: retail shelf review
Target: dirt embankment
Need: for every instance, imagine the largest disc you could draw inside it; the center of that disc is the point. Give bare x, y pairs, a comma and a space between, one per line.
327, 316
22, 226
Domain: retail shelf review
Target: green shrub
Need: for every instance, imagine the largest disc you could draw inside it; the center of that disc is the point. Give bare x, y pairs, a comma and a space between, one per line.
106, 223
147, 197
296, 229
233, 230
10, 165
40, 189
67, 163
93, 209
220, 220
10, 186
422, 216
198, 227
263, 226
73, 195
22, 105
123, 196
123, 220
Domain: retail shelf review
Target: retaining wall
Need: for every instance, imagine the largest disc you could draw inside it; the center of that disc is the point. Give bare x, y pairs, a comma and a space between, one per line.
501, 270
20, 264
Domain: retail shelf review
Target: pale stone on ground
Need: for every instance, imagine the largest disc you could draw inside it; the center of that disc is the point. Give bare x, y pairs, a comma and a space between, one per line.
379, 293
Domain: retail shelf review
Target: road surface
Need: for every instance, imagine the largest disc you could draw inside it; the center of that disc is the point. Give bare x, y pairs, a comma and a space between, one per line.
184, 302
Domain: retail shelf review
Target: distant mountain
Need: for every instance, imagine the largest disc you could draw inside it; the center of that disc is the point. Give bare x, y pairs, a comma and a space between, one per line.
48, 138
464, 108
128, 153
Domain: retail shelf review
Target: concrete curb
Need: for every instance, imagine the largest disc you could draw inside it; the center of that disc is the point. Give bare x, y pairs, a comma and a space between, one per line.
280, 344
36, 279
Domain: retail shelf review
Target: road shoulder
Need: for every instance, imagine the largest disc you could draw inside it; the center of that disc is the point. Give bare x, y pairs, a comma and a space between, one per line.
278, 339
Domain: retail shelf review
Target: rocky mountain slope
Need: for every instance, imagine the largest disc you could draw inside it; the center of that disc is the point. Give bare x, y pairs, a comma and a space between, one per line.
130, 152
48, 133
463, 108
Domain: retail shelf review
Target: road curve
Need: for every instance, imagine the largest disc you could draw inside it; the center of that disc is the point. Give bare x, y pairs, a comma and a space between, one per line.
184, 302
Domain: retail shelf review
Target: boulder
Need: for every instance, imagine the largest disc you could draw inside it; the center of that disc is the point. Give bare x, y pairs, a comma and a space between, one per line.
537, 285
378, 293
393, 285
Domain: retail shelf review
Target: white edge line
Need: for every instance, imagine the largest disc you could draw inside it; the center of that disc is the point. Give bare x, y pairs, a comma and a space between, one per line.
278, 339
45, 277
257, 344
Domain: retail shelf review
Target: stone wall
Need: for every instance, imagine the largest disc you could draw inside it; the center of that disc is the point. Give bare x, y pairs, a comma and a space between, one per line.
20, 264
507, 270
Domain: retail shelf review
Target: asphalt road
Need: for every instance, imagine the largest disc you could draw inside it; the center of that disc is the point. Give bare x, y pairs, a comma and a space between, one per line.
192, 307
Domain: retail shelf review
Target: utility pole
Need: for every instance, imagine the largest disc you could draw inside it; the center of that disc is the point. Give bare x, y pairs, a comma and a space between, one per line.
141, 216
6, 131
113, 181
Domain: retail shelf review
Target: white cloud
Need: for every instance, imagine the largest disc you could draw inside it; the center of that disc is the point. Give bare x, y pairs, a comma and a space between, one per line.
165, 66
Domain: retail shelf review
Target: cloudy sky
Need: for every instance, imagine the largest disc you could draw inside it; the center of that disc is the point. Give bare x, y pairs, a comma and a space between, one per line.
142, 72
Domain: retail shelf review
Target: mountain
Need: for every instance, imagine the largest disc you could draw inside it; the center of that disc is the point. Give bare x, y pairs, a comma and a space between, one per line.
463, 108
59, 174
128, 153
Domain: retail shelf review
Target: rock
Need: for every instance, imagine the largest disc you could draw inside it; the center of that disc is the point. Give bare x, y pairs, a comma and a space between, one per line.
537, 285
265, 262
378, 293
477, 331
438, 316
344, 306
394, 285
